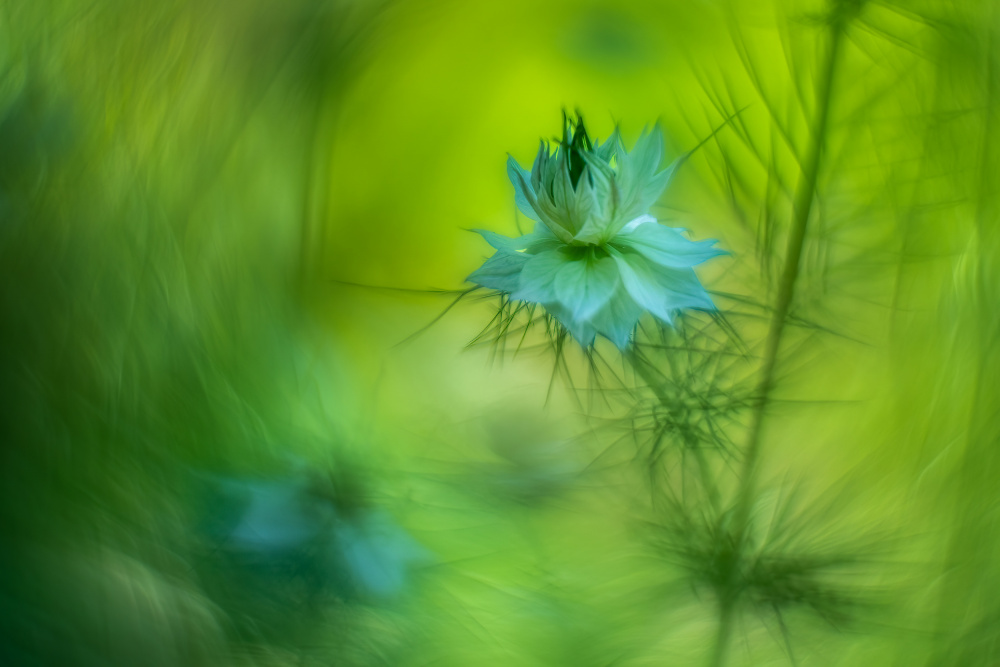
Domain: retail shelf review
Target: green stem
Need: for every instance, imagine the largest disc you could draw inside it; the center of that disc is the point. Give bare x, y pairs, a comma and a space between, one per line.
803, 205
804, 198
720, 650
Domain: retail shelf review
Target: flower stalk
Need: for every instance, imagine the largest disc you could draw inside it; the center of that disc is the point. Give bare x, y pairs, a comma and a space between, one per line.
803, 207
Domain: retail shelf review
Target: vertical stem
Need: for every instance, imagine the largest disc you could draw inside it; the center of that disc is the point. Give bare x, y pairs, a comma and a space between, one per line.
804, 197
720, 650
803, 205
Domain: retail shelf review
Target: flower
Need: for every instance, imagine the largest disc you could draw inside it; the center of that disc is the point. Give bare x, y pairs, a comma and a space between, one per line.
596, 260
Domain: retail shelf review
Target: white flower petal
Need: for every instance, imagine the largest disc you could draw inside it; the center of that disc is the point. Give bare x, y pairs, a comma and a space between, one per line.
641, 220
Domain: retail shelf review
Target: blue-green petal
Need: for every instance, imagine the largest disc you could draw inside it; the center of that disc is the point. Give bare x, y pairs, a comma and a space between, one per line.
521, 180
537, 280
667, 246
584, 286
581, 330
534, 241
617, 319
501, 272
661, 290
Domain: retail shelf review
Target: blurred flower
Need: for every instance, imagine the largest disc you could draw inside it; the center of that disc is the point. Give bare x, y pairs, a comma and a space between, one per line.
293, 538
596, 259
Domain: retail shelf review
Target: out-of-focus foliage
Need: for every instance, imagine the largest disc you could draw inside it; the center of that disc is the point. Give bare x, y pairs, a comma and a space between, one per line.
221, 222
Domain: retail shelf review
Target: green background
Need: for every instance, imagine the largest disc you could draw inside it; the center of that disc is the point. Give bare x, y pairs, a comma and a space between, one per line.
221, 222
